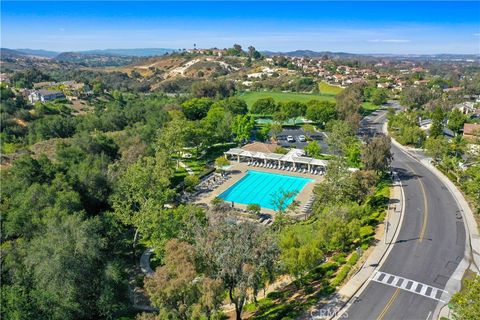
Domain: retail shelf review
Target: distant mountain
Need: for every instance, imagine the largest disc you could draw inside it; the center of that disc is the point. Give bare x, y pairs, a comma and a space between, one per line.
95, 60
17, 54
38, 52
9, 53
140, 52
312, 54
346, 55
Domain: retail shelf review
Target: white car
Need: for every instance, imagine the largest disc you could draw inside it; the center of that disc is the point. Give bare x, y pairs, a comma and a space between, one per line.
302, 138
290, 139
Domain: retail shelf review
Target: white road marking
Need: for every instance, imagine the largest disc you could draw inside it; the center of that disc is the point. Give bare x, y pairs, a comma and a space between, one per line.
408, 285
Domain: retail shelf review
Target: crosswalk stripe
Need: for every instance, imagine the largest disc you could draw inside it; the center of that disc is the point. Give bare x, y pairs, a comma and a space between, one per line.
408, 285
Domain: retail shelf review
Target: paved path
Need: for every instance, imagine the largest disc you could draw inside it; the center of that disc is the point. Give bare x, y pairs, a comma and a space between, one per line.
145, 262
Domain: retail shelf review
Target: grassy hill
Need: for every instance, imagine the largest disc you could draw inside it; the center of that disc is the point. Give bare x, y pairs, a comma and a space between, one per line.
251, 97
326, 88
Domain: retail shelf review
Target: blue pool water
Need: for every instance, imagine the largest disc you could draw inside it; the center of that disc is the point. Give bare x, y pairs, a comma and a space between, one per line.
258, 187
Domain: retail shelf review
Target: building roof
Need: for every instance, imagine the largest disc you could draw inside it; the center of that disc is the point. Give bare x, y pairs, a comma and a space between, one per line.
260, 147
472, 129
48, 92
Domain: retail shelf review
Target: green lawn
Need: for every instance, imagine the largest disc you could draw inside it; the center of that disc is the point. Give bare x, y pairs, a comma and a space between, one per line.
368, 107
326, 88
251, 97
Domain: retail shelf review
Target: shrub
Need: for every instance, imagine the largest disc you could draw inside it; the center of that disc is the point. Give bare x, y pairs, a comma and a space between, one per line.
353, 259
341, 275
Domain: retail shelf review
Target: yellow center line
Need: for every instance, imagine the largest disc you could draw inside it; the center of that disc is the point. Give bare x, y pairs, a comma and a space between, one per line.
425, 210
389, 304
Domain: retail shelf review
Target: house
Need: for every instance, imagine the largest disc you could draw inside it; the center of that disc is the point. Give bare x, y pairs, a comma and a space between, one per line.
471, 132
466, 107
4, 78
44, 95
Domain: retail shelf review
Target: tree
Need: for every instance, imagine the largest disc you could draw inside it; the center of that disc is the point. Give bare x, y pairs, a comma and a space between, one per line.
465, 303
143, 185
275, 129
376, 154
177, 289
437, 147
300, 249
233, 105
293, 109
196, 108
209, 89
238, 254
190, 181
349, 104
379, 97
341, 137
264, 106
415, 97
65, 261
242, 127
456, 119
238, 48
321, 111
437, 123
313, 149
217, 124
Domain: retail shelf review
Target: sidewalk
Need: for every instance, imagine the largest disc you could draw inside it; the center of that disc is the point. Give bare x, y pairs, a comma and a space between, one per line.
356, 284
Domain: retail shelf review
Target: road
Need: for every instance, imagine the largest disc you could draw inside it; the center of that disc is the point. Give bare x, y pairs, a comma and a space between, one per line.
429, 247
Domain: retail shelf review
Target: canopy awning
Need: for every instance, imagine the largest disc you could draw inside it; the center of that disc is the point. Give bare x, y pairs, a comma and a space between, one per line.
234, 151
305, 160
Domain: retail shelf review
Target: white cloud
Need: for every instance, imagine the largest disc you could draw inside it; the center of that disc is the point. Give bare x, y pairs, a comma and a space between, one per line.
476, 34
390, 40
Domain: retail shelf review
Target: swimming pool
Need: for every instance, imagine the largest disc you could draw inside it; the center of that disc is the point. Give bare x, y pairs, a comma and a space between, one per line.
258, 187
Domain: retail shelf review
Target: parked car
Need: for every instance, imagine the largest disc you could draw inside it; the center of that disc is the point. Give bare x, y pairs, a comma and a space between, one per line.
290, 139
302, 138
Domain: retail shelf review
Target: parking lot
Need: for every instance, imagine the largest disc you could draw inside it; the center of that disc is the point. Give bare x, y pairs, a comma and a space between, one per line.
295, 133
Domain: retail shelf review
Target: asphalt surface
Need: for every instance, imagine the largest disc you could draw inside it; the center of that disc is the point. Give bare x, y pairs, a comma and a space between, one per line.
430, 244
295, 132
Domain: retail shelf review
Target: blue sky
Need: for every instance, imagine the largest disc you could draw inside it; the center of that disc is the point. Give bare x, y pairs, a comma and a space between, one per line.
357, 27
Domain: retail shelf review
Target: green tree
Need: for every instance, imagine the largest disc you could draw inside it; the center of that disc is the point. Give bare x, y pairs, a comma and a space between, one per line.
321, 111
144, 184
293, 109
264, 106
379, 97
376, 154
300, 249
437, 147
465, 303
437, 122
196, 108
456, 119
242, 127
313, 149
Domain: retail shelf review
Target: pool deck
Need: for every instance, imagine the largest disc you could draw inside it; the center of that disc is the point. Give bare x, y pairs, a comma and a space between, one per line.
238, 170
